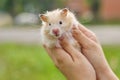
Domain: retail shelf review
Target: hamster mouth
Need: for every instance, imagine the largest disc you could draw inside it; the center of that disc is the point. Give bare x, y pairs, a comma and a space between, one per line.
57, 35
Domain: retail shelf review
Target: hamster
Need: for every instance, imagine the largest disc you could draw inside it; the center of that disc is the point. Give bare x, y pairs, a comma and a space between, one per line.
55, 24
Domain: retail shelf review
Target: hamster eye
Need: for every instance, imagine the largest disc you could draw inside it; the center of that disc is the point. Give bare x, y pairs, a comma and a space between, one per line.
49, 24
60, 22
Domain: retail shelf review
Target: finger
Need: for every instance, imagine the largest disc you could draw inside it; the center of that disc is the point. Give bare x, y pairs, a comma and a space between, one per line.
74, 53
61, 56
87, 32
58, 56
50, 53
81, 38
84, 30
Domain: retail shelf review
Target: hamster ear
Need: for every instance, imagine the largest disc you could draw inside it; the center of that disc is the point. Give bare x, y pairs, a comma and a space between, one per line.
64, 12
43, 17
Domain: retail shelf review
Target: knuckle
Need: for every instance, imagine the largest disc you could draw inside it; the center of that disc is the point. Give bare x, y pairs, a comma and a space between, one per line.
93, 45
94, 34
60, 60
90, 45
60, 63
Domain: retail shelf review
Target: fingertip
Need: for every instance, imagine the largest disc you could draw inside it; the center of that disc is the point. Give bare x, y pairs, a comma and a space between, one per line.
64, 40
76, 32
74, 27
61, 38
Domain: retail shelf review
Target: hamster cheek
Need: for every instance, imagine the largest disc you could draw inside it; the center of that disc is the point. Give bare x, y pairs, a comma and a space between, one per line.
47, 32
61, 32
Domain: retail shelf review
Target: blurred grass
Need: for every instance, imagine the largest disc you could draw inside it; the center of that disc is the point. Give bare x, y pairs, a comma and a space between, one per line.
112, 54
30, 62
26, 62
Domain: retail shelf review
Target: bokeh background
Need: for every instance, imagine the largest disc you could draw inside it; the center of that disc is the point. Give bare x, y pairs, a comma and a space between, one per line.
21, 55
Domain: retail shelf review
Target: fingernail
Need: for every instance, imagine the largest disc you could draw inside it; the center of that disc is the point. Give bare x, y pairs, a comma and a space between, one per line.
76, 32
61, 38
73, 27
73, 30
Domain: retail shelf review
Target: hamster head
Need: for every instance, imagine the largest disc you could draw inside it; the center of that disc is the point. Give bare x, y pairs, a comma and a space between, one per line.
57, 22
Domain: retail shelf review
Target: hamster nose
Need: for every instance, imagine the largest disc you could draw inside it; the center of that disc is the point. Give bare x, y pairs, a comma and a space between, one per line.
55, 31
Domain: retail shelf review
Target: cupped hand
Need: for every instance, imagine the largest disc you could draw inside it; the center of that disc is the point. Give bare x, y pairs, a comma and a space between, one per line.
71, 62
92, 50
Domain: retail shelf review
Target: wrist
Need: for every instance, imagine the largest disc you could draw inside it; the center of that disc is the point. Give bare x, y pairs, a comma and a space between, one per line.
107, 74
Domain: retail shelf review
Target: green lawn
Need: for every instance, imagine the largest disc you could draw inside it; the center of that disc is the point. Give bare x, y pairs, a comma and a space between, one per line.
30, 62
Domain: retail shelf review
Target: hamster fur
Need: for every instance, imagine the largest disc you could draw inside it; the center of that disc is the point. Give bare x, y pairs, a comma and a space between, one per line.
55, 24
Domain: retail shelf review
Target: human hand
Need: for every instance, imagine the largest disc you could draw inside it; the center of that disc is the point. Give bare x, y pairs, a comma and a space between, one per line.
92, 50
71, 62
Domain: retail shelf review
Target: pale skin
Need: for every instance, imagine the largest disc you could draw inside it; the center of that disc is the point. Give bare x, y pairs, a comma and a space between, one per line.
89, 64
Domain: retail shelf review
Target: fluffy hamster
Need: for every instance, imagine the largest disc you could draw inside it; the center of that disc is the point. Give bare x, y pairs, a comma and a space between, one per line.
55, 24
